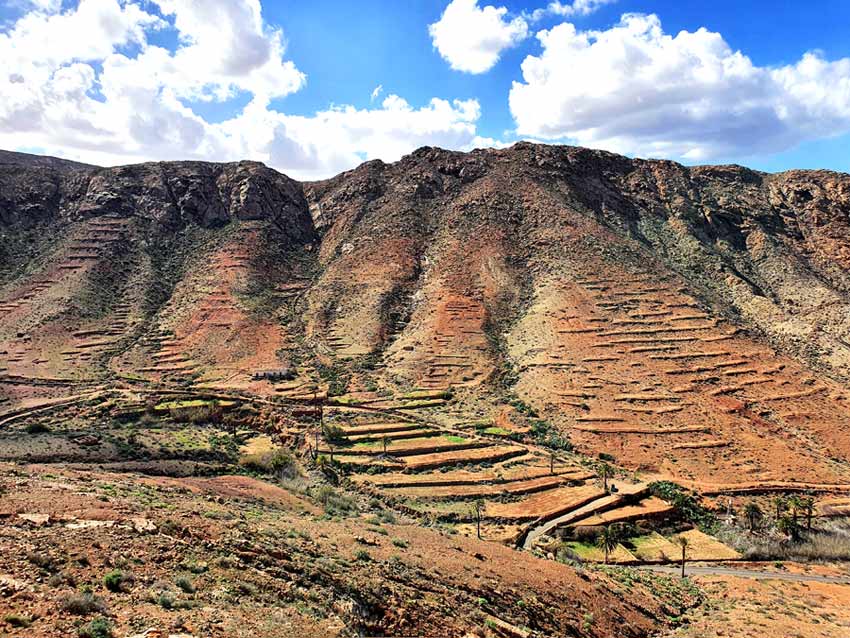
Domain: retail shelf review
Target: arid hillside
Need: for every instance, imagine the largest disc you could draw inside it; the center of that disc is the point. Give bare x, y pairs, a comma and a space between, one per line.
692, 322
477, 340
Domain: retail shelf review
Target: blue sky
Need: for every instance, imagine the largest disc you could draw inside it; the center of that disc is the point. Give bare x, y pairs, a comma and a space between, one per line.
291, 83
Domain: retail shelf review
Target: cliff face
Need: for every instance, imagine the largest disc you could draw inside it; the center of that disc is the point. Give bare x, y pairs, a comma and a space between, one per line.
616, 296
170, 193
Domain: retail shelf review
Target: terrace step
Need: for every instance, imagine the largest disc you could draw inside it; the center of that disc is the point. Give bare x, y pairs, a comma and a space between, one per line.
529, 486
410, 448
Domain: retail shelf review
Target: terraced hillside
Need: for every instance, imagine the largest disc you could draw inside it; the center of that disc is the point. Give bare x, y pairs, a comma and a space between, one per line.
513, 343
689, 322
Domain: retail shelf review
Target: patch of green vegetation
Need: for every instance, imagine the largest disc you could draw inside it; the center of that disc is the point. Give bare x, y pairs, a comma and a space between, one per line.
117, 581
523, 408
334, 434
19, 621
549, 436
445, 395
421, 403
687, 505
97, 628
497, 431
185, 584
585, 551
335, 504
362, 555
336, 376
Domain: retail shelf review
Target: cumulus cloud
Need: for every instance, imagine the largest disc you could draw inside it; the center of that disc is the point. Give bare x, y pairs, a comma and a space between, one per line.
87, 83
577, 7
471, 38
569, 9
342, 137
637, 90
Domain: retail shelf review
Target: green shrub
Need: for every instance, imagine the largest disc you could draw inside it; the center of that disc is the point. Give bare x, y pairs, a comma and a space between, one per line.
185, 584
37, 428
362, 554
333, 502
97, 628
42, 560
400, 542
165, 600
548, 436
117, 581
334, 434
279, 463
687, 504
18, 620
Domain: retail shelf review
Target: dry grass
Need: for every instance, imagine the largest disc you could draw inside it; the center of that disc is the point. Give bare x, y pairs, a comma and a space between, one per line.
829, 542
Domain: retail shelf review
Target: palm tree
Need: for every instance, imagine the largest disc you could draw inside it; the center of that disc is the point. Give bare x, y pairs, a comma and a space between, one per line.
682, 542
781, 505
796, 504
809, 507
608, 540
477, 507
754, 514
605, 472
788, 525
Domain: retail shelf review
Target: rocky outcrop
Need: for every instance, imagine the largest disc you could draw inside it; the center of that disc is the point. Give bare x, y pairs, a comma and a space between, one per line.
170, 193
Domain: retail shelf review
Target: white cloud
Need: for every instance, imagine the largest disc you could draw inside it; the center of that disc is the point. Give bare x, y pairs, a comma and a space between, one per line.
376, 92
568, 9
87, 83
577, 7
471, 38
45, 5
635, 89
339, 138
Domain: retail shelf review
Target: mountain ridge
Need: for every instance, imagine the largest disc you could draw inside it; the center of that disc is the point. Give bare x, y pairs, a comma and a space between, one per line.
472, 272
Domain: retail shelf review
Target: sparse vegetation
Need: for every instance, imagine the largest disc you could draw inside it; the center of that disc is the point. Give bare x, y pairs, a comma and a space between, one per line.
97, 628
335, 504
185, 584
279, 463
337, 378
548, 436
687, 505
117, 580
829, 543
19, 621
334, 434
362, 555
82, 604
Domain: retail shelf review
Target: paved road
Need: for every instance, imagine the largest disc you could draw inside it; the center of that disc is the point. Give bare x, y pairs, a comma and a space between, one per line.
747, 573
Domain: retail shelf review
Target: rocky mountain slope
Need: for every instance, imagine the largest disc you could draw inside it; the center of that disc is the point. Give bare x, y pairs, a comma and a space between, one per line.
691, 322
453, 341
